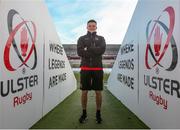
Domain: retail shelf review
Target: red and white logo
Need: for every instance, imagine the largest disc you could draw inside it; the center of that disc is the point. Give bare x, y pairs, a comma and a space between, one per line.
27, 38
160, 46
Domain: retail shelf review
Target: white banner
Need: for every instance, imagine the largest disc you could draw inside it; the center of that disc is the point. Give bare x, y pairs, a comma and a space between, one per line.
155, 25
59, 78
159, 63
123, 81
21, 64
35, 74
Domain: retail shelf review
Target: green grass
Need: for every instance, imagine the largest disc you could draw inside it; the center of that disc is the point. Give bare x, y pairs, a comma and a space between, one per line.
115, 115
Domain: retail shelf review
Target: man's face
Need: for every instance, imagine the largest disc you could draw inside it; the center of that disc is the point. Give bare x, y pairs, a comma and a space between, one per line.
91, 27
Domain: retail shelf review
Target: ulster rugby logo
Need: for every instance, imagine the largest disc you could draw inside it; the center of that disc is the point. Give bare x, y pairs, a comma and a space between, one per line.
22, 38
161, 41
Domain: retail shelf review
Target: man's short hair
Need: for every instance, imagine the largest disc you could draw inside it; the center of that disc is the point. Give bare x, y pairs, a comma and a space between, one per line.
92, 21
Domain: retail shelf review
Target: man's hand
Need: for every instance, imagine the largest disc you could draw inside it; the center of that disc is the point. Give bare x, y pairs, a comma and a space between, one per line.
85, 48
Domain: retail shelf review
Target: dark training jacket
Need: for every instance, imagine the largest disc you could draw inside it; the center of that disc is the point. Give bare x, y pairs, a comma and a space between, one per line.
92, 57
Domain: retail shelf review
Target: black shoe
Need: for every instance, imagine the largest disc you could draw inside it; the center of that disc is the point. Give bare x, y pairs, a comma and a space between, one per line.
98, 119
83, 119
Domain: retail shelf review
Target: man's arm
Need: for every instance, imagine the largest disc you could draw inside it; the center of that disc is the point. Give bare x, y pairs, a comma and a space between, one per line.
81, 49
99, 50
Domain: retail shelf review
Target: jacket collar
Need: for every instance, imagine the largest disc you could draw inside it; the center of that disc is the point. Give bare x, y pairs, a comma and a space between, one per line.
89, 33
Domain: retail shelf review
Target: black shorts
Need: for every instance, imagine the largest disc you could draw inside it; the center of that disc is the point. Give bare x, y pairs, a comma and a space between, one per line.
91, 79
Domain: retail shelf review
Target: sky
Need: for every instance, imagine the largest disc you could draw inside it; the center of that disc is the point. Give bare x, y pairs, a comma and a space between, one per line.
70, 18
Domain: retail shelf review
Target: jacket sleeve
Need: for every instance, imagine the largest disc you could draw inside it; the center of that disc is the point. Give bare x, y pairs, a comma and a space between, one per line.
80, 49
99, 50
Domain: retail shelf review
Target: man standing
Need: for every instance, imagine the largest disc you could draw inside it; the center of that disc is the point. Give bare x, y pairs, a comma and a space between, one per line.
90, 48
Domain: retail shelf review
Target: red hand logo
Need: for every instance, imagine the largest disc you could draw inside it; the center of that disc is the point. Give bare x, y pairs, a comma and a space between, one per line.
24, 41
157, 40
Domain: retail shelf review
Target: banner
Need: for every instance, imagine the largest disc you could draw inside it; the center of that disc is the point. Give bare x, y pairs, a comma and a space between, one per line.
155, 26
21, 70
123, 81
35, 74
159, 62
59, 78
